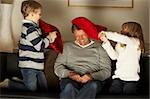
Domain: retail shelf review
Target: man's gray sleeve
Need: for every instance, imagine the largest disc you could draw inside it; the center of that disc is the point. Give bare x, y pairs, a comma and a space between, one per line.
105, 66
60, 65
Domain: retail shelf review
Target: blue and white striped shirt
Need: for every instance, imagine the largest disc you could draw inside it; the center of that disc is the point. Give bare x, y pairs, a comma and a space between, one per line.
32, 45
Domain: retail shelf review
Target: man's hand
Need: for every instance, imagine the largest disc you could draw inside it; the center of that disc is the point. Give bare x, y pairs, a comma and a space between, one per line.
86, 78
74, 76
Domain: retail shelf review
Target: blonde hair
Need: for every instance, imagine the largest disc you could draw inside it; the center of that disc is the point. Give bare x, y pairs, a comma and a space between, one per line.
133, 29
29, 6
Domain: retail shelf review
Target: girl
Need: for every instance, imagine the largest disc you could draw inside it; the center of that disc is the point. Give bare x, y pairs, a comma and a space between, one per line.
127, 52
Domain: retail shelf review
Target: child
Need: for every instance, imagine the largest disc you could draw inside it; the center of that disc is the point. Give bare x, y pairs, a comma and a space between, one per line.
31, 49
127, 52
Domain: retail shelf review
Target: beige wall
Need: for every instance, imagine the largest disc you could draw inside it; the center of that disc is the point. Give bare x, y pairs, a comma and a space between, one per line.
59, 14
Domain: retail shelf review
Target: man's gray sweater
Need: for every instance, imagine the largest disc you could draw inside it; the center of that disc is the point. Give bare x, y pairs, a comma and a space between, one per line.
92, 59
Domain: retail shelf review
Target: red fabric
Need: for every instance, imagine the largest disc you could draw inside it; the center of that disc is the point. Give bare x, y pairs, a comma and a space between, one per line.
46, 28
90, 28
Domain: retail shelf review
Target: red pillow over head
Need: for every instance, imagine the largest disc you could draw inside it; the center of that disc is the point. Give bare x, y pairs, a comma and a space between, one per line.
90, 28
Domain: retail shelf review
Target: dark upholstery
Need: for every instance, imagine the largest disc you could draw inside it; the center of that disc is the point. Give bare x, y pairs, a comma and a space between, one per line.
8, 69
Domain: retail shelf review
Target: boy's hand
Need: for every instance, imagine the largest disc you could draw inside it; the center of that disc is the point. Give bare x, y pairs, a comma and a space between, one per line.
52, 36
102, 36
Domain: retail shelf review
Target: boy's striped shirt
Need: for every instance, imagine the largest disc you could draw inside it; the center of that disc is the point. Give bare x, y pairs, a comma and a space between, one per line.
32, 45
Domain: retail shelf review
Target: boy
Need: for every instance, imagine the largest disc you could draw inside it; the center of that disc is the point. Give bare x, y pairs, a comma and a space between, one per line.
31, 48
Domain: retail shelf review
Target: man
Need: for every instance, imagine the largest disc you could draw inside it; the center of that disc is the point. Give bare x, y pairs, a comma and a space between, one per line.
84, 65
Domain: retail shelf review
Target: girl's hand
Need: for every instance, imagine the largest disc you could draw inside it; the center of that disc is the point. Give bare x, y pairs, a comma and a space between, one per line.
102, 33
102, 36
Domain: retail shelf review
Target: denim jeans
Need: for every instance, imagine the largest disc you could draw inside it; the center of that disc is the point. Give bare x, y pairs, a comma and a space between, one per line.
73, 90
31, 78
123, 87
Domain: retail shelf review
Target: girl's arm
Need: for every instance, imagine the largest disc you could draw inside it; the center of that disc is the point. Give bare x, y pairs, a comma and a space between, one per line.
114, 36
110, 50
108, 47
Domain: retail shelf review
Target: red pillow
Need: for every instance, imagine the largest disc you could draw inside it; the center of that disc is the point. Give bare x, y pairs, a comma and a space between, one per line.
90, 28
46, 28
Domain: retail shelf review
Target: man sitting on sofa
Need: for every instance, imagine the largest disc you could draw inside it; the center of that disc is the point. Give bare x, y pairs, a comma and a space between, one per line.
84, 65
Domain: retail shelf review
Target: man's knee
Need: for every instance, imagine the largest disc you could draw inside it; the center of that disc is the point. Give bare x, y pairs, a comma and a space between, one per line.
69, 87
93, 86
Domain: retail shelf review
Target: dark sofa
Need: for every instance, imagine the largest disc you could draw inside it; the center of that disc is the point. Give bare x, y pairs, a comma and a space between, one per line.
8, 69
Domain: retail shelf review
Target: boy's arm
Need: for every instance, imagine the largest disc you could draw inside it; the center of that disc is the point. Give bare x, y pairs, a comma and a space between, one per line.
46, 41
35, 39
51, 38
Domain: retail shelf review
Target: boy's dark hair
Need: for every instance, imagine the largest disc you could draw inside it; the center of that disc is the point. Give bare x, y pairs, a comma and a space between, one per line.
29, 6
74, 27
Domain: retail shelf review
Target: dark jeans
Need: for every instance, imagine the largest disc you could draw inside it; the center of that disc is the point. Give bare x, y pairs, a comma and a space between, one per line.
31, 78
123, 87
73, 90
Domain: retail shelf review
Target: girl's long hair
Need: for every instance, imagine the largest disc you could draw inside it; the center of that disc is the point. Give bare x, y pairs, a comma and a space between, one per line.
133, 29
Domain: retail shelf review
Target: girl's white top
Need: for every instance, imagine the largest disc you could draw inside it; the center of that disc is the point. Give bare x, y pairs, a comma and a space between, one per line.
127, 65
